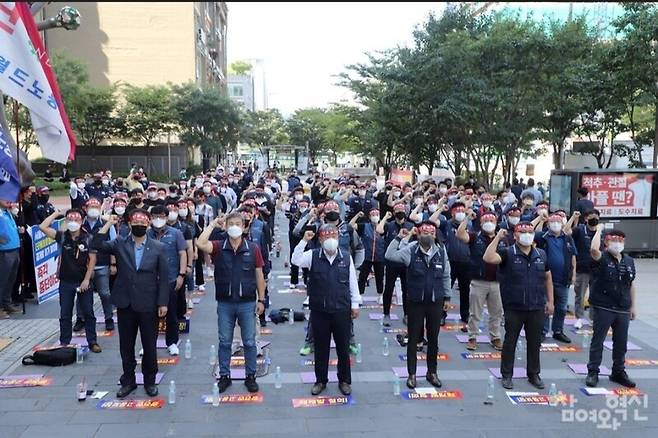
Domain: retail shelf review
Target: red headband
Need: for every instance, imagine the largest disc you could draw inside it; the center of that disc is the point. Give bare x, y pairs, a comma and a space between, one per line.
330, 204
427, 228
614, 238
374, 211
326, 233
139, 217
488, 216
523, 228
73, 215
399, 207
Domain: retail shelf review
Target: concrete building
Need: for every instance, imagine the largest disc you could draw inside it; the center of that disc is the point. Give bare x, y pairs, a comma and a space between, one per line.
141, 43
241, 90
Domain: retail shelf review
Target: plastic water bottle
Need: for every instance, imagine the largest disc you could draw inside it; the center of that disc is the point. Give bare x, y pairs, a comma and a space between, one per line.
215, 395
291, 317
381, 325
212, 356
79, 357
82, 390
359, 354
172, 392
586, 340
490, 391
396, 385
188, 349
520, 350
385, 350
552, 395
277, 378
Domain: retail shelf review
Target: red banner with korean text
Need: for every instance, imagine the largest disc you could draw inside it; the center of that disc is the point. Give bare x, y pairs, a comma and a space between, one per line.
620, 194
400, 176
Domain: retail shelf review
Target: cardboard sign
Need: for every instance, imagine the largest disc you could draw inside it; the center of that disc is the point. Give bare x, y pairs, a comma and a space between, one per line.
265, 331
620, 194
451, 327
554, 348
240, 361
641, 362
45, 252
581, 369
485, 355
395, 330
163, 360
620, 392
517, 373
131, 404
423, 356
25, 381
528, 398
332, 362
437, 395
317, 402
237, 399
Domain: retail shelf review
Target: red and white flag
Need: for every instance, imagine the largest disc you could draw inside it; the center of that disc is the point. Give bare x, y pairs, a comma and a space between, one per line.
26, 75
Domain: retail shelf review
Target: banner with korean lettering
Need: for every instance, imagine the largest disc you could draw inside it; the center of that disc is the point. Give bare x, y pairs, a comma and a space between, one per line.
400, 176
26, 75
620, 194
46, 257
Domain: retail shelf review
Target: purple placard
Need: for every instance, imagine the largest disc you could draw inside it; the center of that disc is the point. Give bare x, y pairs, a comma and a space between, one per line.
139, 378
581, 369
629, 346
480, 339
453, 317
369, 299
572, 321
403, 373
309, 377
518, 373
380, 316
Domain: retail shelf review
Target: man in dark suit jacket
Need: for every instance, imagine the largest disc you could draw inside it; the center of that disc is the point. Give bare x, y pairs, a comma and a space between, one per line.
141, 294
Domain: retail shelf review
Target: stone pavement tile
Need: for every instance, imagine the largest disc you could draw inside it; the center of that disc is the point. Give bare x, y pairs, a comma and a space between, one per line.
104, 416
359, 424
18, 418
60, 431
23, 404
11, 431
280, 426
217, 428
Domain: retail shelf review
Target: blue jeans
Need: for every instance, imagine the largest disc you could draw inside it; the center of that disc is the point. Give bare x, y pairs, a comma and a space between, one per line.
560, 299
245, 313
189, 280
67, 294
100, 283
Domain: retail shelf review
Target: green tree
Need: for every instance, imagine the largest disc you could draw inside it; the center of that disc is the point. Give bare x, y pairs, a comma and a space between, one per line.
304, 127
240, 68
92, 115
264, 128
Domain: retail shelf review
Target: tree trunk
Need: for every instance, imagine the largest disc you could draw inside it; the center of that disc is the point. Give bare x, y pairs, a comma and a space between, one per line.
655, 138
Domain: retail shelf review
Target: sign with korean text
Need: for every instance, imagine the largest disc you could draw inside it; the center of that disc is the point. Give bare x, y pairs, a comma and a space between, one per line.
436, 395
46, 257
131, 404
400, 176
620, 194
240, 399
24, 381
485, 355
317, 402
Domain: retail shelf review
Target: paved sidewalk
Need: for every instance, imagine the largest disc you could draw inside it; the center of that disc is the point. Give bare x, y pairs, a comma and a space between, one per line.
53, 411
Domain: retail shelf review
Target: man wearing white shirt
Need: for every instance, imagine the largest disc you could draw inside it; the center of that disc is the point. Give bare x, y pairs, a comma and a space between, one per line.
333, 299
641, 192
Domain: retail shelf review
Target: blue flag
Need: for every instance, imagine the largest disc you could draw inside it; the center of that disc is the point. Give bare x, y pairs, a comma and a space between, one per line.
9, 182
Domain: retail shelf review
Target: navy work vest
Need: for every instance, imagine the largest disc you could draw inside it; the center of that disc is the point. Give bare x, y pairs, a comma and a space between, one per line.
329, 284
235, 269
611, 284
101, 258
477, 249
374, 244
524, 287
425, 279
458, 251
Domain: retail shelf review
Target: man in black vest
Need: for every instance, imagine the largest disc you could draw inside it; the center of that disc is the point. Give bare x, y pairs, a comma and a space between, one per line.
333, 299
141, 294
527, 295
239, 282
612, 297
428, 279
582, 236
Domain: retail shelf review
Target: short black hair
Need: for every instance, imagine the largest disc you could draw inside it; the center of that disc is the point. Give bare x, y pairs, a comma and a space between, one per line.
133, 192
159, 209
583, 191
615, 232
515, 209
595, 211
457, 204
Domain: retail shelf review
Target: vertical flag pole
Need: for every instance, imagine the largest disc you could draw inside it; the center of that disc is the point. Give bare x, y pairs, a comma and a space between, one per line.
21, 251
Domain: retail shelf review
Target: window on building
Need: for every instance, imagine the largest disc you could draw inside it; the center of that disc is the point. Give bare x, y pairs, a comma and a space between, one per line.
236, 90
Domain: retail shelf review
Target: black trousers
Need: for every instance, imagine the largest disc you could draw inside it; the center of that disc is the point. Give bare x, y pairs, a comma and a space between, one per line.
602, 321
129, 322
198, 269
429, 316
171, 333
392, 273
364, 271
461, 271
325, 325
515, 320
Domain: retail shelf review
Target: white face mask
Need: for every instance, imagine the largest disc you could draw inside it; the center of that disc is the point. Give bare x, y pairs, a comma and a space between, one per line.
374, 219
119, 210
206, 189
330, 245
153, 195
418, 201
172, 216
14, 211
396, 194
615, 248
93, 213
81, 185
303, 209
487, 204
198, 183
299, 197
432, 208
234, 231
555, 227
106, 182
459, 217
72, 226
443, 191
158, 222
513, 220
418, 220
526, 239
182, 212
488, 227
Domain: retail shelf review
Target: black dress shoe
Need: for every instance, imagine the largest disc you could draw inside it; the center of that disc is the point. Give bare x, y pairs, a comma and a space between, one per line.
250, 383
223, 383
444, 315
622, 379
559, 336
125, 390
318, 388
592, 379
79, 325
434, 380
411, 381
543, 338
536, 381
507, 383
345, 388
151, 390
109, 324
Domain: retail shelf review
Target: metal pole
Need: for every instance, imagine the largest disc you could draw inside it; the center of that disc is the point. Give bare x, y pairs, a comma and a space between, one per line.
21, 251
169, 152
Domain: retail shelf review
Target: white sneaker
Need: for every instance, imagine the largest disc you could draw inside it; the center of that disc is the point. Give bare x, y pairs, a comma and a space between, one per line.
306, 302
380, 300
173, 350
209, 272
578, 324
190, 304
141, 352
202, 288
